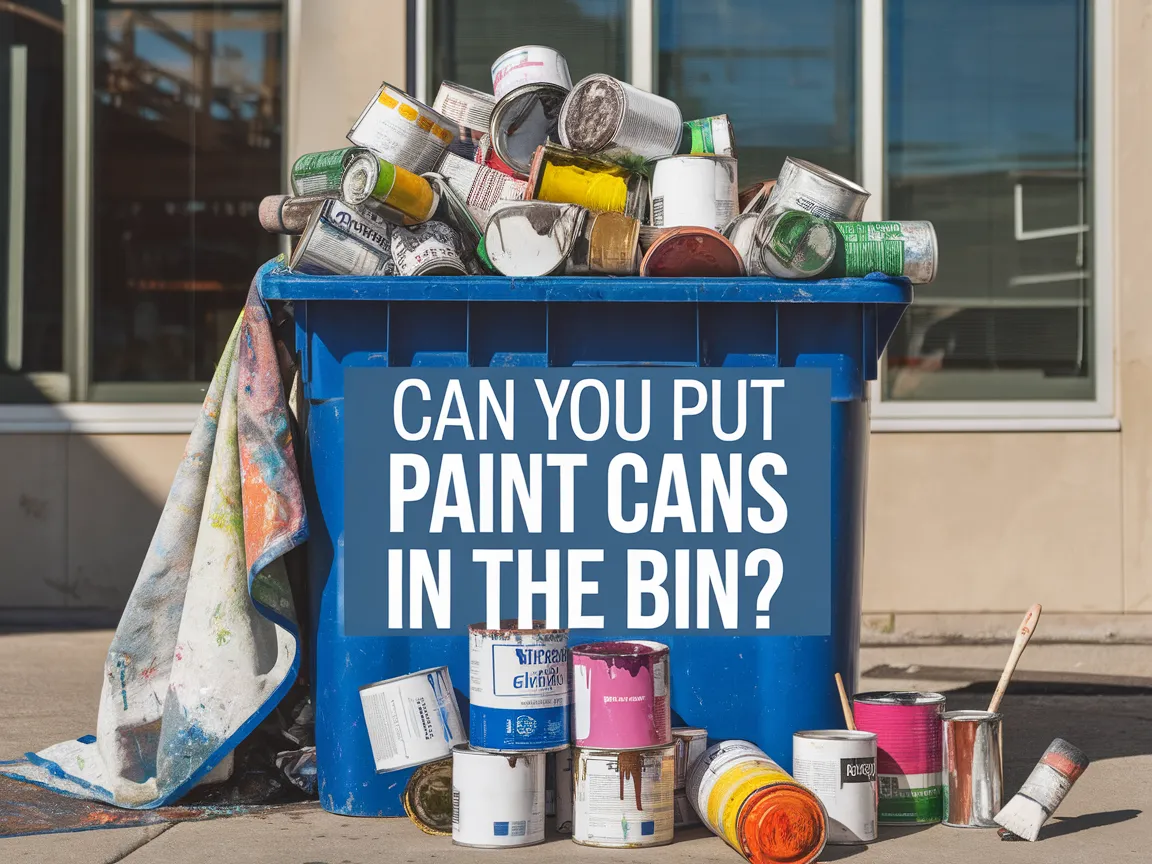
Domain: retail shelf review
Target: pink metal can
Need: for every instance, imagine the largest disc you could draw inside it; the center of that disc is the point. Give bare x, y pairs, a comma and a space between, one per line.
620, 695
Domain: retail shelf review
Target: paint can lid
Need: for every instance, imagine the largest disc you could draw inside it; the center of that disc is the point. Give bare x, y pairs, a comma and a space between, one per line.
835, 735
692, 252
782, 824
899, 697
593, 113
428, 798
630, 648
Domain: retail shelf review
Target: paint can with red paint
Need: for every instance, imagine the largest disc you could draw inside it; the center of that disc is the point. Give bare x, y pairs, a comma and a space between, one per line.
624, 799
692, 252
620, 694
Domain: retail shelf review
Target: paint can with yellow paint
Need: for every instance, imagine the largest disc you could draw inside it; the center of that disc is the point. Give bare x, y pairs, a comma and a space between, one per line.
403, 131
623, 799
567, 177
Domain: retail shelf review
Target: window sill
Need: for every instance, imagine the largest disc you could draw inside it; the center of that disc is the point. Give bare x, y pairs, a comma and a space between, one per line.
995, 424
98, 419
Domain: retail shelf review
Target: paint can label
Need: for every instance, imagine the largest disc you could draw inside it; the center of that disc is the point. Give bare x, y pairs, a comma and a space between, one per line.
362, 225
624, 799
326, 250
320, 173
405, 192
480, 188
872, 247
519, 689
402, 131
911, 798
621, 702
708, 135
847, 788
530, 64
425, 247
411, 720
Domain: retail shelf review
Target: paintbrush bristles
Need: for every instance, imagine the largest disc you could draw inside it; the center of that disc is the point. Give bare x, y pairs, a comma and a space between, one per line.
1023, 817
1059, 767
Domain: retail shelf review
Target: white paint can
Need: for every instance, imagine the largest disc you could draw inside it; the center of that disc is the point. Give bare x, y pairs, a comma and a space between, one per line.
529, 64
497, 800
690, 743
685, 813
840, 767
698, 191
624, 799
561, 763
402, 130
412, 719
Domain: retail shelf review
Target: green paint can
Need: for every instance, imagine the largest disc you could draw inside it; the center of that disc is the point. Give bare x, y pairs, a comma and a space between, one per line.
893, 248
322, 173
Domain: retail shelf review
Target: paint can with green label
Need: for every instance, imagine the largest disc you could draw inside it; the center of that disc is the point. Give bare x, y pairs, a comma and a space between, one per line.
793, 244
322, 173
893, 248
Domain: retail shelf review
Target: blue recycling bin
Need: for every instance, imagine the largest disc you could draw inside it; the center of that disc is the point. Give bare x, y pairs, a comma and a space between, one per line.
760, 688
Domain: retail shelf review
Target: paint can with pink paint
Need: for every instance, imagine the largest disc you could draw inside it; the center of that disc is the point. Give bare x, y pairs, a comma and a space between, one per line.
620, 695
909, 753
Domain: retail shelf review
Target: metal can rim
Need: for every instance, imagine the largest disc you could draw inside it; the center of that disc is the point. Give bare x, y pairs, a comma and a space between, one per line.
588, 649
971, 715
616, 84
716, 157
503, 106
481, 627
826, 175
608, 751
889, 697
511, 51
835, 735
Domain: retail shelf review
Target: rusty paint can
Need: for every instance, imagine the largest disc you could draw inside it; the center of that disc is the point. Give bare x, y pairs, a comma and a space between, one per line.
623, 799
470, 111
561, 762
608, 117
690, 743
412, 719
620, 694
428, 249
529, 64
684, 815
909, 755
839, 766
708, 136
398, 196
759, 810
328, 248
973, 768
694, 190
428, 798
532, 238
793, 244
479, 187
692, 252
322, 173
608, 245
287, 214
805, 186
893, 248
402, 130
497, 799
522, 121
566, 177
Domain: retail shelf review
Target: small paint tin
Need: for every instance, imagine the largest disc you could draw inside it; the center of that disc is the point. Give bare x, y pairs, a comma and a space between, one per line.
908, 753
428, 798
561, 762
529, 64
694, 190
605, 116
564, 176
608, 245
397, 195
684, 814
428, 249
894, 248
973, 768
519, 688
327, 249
692, 252
470, 111
522, 121
623, 799
690, 743
839, 766
497, 800
804, 186
287, 214
403, 131
620, 694
793, 244
708, 136
322, 173
532, 238
412, 719
479, 187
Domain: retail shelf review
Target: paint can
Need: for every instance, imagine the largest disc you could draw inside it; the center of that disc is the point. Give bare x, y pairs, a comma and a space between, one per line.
624, 799
398, 196
908, 753
620, 694
758, 809
428, 249
561, 762
328, 249
839, 766
694, 190
793, 244
322, 173
566, 177
752, 199
973, 768
523, 120
470, 111
529, 64
518, 688
428, 798
287, 214
479, 187
684, 815
708, 135
894, 248
532, 238
611, 118
403, 131
497, 800
741, 233
608, 245
412, 719
804, 186
692, 252
690, 743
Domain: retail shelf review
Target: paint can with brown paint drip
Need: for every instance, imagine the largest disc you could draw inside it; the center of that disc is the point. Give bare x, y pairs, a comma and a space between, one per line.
497, 799
428, 798
608, 245
624, 799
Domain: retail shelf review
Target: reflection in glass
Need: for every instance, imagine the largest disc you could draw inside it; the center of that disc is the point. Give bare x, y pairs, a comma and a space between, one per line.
187, 140
988, 137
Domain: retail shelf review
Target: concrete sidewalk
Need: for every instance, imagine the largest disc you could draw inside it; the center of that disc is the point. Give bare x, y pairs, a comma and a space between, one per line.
1083, 693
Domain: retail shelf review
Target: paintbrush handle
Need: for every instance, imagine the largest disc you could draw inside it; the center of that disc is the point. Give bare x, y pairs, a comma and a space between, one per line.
849, 720
1027, 628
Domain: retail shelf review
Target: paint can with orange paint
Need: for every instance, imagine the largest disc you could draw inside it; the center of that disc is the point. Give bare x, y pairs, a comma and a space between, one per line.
759, 810
692, 252
623, 799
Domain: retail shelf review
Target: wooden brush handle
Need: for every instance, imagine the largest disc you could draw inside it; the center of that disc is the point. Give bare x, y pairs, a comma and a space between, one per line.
849, 720
1027, 628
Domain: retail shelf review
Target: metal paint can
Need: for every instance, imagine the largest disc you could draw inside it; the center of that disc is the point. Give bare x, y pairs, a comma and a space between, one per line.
328, 249
624, 799
894, 248
692, 252
412, 719
286, 214
753, 198
608, 245
793, 244
690, 743
804, 186
741, 232
759, 810
479, 187
561, 762
839, 766
620, 694
471, 112
694, 190
428, 249
708, 135
684, 815
321, 173
497, 800
396, 195
908, 753
403, 131
522, 121
532, 238
486, 155
519, 688
611, 118
566, 177
529, 64
428, 798
973, 768
649, 234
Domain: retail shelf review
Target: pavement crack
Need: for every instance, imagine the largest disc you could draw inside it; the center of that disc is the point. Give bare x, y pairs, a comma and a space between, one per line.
120, 856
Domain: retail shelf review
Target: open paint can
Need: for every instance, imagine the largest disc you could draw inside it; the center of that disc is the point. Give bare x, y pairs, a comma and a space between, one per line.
497, 800
620, 694
522, 121
412, 719
692, 252
973, 768
532, 238
624, 799
428, 798
839, 766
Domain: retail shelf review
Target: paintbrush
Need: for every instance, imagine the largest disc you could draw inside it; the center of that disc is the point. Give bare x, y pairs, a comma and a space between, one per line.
1027, 628
1059, 767
849, 720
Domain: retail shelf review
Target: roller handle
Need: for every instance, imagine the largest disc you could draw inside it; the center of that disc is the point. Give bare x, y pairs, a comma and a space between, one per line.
1027, 628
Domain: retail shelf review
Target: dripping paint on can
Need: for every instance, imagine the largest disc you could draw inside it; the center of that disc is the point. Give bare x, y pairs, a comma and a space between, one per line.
412, 719
620, 694
497, 799
623, 799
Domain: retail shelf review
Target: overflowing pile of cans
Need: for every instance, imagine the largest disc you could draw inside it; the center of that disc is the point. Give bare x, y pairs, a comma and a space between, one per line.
543, 177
